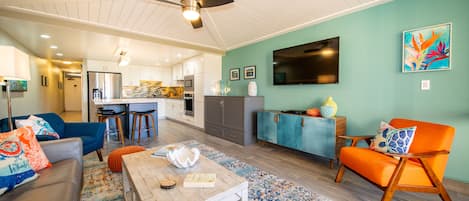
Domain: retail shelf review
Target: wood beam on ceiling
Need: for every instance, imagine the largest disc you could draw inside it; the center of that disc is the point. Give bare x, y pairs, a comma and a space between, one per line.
19, 13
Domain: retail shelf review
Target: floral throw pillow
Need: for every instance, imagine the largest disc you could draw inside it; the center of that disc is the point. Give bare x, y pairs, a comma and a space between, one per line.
31, 147
39, 125
14, 166
379, 142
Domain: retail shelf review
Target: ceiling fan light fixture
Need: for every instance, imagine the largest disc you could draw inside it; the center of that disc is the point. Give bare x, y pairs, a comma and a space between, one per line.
190, 10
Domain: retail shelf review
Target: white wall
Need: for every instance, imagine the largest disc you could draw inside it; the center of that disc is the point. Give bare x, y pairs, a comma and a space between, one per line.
37, 99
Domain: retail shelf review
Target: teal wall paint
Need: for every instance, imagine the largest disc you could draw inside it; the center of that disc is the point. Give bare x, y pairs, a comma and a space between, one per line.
371, 86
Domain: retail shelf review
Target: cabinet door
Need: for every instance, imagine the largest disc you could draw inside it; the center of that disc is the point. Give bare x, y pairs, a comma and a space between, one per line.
213, 110
267, 126
319, 137
233, 112
289, 131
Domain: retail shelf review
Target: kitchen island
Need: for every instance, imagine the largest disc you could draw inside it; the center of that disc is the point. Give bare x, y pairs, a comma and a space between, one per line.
128, 105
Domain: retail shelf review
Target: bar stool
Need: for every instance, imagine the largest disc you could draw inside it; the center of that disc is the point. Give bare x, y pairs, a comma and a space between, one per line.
139, 115
105, 115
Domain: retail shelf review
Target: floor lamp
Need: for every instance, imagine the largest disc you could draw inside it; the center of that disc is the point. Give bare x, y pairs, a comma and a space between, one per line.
14, 65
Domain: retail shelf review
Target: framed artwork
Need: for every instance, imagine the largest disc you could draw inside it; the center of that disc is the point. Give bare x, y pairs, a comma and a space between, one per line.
427, 49
234, 74
249, 72
17, 85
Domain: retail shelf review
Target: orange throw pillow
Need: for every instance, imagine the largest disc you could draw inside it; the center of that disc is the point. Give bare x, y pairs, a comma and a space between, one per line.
33, 151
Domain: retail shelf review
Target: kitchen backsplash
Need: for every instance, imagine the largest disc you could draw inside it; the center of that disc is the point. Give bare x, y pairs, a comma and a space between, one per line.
152, 89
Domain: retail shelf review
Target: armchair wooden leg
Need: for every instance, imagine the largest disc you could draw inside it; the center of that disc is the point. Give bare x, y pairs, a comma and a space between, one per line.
396, 176
100, 155
340, 174
435, 181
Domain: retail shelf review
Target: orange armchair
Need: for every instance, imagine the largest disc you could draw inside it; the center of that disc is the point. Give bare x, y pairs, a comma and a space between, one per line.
421, 170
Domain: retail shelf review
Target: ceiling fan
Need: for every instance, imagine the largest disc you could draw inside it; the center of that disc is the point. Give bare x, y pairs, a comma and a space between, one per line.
191, 8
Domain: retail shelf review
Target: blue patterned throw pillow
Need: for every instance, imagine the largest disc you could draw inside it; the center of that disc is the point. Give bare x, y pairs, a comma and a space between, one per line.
399, 140
14, 166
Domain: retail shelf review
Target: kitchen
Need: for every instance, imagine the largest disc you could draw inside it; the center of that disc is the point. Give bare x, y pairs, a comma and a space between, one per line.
178, 90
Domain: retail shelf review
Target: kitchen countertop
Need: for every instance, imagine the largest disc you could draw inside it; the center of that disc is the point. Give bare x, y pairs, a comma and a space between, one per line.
118, 101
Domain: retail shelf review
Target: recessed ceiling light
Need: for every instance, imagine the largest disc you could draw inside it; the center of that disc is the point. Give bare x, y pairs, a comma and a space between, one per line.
54, 46
59, 54
179, 55
67, 62
45, 36
166, 60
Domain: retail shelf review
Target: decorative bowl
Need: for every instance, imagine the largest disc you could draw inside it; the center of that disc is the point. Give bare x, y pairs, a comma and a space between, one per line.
183, 157
327, 111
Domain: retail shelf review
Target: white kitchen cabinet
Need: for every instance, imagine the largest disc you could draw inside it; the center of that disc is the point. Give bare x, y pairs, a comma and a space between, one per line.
174, 108
177, 73
161, 108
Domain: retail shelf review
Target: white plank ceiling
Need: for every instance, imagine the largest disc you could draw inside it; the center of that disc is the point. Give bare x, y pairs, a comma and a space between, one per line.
225, 27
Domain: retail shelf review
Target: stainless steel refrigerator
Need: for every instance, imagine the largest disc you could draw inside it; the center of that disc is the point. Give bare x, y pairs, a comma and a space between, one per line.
102, 85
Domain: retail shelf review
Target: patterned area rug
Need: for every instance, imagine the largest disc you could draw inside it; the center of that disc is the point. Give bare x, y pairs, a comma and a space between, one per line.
101, 184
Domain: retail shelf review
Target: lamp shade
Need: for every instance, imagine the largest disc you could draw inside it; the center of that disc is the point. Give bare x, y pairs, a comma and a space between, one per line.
14, 64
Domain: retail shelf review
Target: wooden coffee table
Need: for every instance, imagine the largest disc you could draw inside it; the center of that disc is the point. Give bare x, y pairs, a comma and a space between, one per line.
142, 174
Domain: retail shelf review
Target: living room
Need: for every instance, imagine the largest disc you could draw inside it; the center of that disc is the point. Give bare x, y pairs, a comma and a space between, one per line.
372, 86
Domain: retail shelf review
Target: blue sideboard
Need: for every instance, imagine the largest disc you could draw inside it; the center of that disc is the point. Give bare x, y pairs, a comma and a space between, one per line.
314, 135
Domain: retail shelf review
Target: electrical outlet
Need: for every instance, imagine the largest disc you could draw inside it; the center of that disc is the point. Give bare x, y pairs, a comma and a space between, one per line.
425, 85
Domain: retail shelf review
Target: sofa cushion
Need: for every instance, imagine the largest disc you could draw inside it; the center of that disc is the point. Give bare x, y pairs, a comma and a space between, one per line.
32, 150
379, 167
14, 166
68, 170
58, 191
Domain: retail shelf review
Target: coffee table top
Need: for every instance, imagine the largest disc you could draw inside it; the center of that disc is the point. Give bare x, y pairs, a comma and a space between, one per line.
145, 172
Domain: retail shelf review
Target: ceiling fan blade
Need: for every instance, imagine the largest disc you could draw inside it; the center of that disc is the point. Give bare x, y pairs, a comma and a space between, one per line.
197, 23
169, 2
213, 3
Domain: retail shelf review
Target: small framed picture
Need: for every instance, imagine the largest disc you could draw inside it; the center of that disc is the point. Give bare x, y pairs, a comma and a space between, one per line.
249, 72
234, 74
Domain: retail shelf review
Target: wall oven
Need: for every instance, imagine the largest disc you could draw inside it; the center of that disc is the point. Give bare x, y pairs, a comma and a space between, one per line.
189, 83
189, 103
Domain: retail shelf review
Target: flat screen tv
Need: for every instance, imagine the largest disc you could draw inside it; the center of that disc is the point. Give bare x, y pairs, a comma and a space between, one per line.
311, 63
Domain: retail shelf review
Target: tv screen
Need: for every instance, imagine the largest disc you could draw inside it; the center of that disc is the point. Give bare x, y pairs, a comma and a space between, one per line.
312, 63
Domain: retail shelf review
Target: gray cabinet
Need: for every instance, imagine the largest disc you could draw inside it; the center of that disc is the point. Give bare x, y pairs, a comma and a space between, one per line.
233, 118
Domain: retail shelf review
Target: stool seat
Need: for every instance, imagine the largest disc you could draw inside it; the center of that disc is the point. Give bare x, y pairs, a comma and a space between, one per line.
114, 160
143, 112
110, 113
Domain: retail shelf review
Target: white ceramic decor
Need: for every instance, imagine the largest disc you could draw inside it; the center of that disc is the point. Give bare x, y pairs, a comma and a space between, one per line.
183, 157
252, 88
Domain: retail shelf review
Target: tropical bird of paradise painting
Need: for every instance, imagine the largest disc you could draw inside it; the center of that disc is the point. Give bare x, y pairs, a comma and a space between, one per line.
427, 49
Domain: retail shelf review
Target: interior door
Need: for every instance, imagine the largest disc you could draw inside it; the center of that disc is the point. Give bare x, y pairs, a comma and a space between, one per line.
72, 94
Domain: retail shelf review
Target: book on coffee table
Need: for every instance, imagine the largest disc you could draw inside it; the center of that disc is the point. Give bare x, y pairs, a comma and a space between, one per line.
200, 180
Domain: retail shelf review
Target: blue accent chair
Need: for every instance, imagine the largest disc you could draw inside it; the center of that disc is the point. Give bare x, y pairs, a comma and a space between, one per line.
91, 134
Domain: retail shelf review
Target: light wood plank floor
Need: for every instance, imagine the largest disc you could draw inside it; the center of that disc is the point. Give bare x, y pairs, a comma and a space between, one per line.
301, 168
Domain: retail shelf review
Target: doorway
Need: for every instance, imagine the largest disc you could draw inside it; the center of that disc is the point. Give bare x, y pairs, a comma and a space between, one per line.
72, 92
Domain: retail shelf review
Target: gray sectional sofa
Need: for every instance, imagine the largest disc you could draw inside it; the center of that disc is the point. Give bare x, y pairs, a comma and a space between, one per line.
62, 181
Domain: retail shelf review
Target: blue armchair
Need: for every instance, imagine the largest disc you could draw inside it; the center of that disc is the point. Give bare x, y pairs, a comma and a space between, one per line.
91, 134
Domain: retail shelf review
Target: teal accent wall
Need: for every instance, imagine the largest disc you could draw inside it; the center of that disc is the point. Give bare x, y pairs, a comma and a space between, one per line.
371, 86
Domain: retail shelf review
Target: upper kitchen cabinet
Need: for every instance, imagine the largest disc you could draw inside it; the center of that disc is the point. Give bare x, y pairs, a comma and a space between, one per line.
193, 66
177, 74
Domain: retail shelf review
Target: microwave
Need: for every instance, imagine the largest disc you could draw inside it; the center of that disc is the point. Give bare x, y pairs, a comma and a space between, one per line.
189, 83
